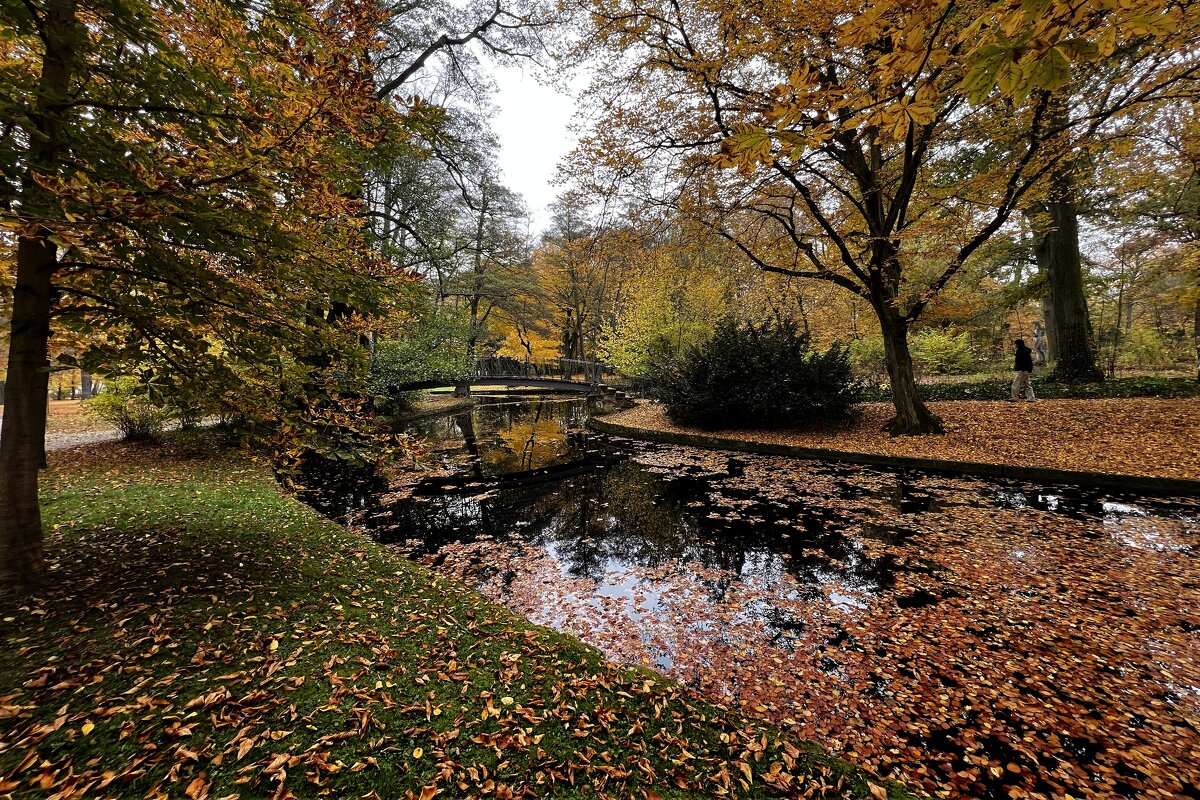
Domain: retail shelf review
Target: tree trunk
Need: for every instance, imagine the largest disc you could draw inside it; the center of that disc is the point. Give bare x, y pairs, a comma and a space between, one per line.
473, 332
23, 431
23, 434
1051, 333
1196, 336
912, 416
466, 424
1056, 246
85, 384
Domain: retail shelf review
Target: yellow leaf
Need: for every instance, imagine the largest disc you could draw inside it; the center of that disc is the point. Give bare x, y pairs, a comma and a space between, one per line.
87, 728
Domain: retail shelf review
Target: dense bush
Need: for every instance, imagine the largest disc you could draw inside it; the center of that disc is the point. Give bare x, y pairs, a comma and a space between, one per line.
124, 405
433, 346
934, 352
1144, 347
942, 352
755, 375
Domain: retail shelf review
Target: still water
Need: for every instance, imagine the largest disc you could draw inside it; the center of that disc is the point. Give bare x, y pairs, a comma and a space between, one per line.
967, 636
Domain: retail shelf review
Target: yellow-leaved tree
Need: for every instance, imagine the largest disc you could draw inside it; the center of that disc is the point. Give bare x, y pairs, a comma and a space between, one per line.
873, 145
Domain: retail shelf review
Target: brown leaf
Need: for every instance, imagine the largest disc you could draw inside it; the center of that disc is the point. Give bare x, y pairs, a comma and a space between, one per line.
198, 788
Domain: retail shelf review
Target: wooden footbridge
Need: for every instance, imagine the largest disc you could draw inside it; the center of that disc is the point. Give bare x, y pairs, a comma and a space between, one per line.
555, 374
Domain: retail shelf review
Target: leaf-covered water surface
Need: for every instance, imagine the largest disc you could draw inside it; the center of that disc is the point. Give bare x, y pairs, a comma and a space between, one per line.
972, 638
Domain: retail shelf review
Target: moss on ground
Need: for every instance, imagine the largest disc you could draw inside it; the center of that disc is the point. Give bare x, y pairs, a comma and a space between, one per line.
205, 636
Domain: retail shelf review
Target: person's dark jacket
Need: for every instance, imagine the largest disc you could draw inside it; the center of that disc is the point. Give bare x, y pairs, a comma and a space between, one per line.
1024, 360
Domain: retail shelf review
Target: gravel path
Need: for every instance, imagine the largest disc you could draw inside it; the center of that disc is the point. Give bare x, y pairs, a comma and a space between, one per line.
65, 441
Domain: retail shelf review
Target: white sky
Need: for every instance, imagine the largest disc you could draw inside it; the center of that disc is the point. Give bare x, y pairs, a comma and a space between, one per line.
532, 125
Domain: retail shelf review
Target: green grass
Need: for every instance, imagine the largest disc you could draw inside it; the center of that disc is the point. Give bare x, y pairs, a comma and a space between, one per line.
205, 636
999, 389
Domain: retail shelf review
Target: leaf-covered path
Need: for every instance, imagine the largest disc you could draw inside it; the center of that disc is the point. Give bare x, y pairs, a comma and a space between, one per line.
1132, 436
205, 637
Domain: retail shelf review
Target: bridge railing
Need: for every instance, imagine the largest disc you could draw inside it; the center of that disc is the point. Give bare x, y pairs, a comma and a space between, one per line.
567, 369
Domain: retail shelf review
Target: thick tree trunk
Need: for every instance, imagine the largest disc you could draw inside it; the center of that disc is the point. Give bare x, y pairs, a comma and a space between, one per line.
912, 416
1056, 244
85, 384
23, 432
1196, 336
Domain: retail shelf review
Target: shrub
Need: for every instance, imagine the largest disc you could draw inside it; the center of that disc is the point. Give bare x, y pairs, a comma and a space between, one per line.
755, 375
869, 359
942, 352
124, 405
433, 347
1143, 347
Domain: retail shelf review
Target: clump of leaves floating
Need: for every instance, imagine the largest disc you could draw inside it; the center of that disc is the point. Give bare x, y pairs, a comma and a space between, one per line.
756, 375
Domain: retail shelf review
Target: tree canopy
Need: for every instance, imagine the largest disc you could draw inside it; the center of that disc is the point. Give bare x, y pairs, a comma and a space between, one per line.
876, 146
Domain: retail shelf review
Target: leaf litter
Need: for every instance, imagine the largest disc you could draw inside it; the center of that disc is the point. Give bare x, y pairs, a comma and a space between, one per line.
970, 638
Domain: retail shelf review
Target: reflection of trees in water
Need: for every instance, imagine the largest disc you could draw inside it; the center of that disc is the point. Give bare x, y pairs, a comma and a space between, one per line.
337, 489
497, 438
617, 517
466, 426
624, 516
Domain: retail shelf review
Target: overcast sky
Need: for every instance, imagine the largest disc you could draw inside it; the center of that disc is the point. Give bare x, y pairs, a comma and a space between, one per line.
532, 127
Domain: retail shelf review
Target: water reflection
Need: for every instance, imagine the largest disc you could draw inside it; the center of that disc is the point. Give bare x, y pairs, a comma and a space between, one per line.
502, 437
530, 471
930, 627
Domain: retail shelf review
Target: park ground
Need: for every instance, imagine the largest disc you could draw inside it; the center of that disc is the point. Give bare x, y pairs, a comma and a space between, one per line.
1145, 436
205, 636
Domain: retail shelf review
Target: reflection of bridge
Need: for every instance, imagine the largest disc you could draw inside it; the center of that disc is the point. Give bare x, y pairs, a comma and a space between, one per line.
508, 480
561, 374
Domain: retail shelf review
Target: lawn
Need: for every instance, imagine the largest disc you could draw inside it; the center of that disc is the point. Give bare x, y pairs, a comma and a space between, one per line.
205, 636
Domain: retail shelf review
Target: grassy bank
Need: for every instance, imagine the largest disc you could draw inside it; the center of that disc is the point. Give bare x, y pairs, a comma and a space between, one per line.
206, 637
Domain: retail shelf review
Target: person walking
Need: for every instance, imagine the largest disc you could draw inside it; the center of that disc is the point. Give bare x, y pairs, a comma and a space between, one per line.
1022, 372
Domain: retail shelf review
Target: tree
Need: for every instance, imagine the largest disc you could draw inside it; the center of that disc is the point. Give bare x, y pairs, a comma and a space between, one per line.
673, 298
1056, 249
495, 258
183, 184
876, 146
1170, 173
180, 180
574, 275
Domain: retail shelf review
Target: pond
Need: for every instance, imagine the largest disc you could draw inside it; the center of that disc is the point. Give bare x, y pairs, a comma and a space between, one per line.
971, 637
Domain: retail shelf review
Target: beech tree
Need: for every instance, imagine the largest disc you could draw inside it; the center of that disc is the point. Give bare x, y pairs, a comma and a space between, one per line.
183, 184
179, 179
873, 145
